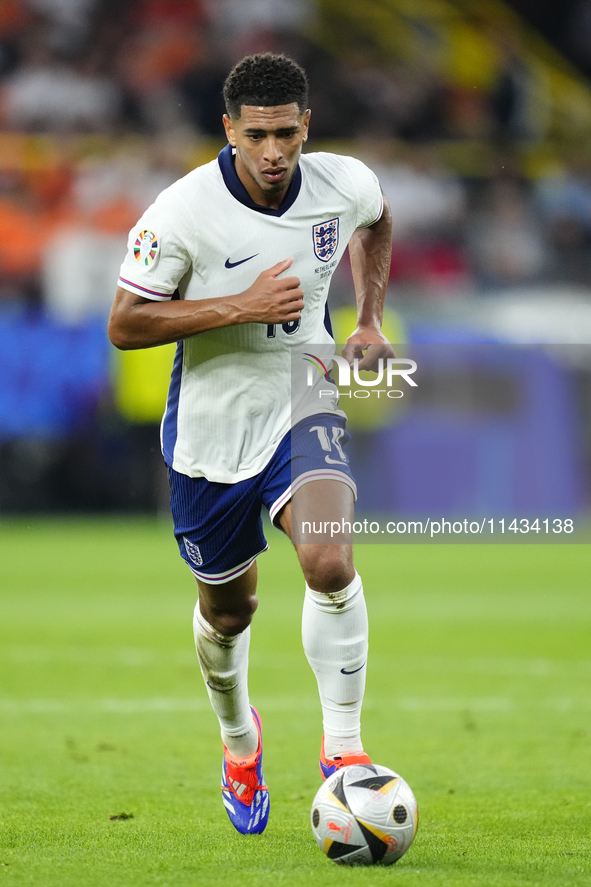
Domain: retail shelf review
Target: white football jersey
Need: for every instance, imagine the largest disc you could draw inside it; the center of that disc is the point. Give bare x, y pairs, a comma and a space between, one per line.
229, 402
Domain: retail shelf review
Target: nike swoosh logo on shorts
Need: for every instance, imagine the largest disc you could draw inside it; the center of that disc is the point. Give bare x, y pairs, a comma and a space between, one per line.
230, 264
344, 670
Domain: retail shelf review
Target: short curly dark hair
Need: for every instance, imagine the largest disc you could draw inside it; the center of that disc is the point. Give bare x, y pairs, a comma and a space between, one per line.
266, 80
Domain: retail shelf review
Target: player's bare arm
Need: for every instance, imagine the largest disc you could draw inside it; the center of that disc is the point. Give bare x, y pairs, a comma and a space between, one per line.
370, 251
136, 322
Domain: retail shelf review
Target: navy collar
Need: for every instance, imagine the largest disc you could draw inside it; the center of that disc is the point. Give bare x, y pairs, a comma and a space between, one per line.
237, 189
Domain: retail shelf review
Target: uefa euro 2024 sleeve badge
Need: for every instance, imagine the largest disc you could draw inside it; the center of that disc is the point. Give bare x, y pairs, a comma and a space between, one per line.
145, 247
326, 239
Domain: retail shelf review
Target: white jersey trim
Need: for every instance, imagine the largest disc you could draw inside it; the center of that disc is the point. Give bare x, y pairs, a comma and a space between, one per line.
378, 217
305, 478
142, 290
227, 575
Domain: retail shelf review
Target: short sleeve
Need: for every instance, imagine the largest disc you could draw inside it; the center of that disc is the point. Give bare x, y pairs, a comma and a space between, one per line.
370, 201
157, 253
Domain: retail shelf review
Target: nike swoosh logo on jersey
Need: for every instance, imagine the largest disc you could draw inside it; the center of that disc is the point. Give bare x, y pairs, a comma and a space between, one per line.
355, 670
230, 264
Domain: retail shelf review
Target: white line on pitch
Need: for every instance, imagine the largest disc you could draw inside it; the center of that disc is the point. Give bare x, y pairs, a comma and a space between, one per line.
167, 704
138, 657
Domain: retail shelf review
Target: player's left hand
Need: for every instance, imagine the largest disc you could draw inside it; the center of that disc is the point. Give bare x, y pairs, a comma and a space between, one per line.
373, 343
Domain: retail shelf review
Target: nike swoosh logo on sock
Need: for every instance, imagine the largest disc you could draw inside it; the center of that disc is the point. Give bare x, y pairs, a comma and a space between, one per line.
355, 670
230, 264
218, 690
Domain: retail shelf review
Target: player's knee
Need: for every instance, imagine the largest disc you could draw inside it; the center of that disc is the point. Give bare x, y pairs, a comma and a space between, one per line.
232, 618
329, 570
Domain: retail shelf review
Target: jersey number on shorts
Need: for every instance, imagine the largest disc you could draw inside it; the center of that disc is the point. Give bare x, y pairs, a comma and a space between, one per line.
327, 444
288, 328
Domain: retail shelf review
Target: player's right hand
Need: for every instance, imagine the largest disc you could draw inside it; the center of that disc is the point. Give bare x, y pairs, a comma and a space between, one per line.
271, 298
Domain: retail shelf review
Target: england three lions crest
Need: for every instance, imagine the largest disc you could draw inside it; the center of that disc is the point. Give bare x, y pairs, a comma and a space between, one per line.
193, 552
326, 239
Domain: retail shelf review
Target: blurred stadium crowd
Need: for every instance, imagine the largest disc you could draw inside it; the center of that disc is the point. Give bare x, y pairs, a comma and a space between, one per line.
103, 103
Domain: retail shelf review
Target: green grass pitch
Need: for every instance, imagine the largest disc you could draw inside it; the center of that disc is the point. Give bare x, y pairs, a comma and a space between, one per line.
478, 693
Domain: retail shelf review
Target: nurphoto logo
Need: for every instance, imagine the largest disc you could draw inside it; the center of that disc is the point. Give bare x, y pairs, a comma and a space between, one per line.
388, 372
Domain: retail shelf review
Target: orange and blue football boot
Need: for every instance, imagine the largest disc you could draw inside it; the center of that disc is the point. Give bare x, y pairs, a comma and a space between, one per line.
244, 793
328, 766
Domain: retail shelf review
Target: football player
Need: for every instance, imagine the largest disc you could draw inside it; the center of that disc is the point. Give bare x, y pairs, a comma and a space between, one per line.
234, 263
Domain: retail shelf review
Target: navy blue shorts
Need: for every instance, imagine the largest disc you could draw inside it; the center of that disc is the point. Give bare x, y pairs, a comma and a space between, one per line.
219, 528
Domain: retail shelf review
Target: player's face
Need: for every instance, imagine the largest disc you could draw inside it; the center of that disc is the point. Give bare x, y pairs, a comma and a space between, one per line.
268, 144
